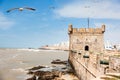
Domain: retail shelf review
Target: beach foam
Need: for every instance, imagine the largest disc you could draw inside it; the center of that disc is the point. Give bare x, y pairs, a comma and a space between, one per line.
19, 70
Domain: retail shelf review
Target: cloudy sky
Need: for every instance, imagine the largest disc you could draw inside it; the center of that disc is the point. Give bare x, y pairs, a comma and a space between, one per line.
49, 23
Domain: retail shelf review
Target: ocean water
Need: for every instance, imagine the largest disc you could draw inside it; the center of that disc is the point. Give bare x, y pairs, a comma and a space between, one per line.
15, 62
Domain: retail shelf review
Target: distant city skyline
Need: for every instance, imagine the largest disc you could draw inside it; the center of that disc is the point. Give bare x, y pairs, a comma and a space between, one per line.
49, 23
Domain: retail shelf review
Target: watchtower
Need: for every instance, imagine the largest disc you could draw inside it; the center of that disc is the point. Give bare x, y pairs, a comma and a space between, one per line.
86, 39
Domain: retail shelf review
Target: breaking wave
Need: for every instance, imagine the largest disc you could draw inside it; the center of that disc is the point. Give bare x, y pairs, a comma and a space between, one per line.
19, 70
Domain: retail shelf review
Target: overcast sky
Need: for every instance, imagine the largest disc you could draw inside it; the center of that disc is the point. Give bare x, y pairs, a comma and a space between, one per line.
49, 23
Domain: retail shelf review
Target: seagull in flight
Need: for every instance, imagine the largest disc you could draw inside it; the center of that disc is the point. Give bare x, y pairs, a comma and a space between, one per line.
20, 9
51, 7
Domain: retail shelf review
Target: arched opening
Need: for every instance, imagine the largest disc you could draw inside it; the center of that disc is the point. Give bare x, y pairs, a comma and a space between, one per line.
86, 48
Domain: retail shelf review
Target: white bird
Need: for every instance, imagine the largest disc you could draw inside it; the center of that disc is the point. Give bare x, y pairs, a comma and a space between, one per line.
20, 9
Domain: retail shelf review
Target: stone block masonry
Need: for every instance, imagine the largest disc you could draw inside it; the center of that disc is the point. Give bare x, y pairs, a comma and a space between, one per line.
84, 43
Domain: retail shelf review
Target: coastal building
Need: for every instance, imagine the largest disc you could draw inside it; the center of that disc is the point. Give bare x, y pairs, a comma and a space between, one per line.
87, 55
86, 39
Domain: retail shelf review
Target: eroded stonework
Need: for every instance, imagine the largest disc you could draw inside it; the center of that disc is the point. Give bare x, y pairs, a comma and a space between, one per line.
86, 39
84, 44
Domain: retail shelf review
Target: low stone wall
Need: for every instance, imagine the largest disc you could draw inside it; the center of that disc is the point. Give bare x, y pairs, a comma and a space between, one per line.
114, 64
82, 67
93, 65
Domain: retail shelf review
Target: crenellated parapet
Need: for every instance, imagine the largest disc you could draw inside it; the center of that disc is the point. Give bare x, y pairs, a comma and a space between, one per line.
72, 30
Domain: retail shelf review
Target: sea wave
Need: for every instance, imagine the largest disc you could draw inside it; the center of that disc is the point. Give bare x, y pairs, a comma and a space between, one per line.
19, 70
37, 50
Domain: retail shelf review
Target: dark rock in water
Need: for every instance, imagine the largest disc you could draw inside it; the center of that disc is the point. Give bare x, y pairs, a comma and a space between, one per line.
30, 72
58, 61
41, 73
64, 68
36, 68
45, 75
32, 78
45, 78
54, 73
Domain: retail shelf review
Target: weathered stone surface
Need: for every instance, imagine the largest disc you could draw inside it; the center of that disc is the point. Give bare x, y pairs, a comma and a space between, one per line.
91, 38
37, 67
44, 75
55, 73
83, 43
58, 61
32, 78
114, 64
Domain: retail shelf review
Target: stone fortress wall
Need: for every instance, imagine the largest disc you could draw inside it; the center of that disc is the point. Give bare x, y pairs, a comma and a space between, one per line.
86, 52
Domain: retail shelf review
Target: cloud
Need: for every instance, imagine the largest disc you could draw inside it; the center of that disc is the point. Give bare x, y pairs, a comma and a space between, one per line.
112, 32
83, 9
5, 23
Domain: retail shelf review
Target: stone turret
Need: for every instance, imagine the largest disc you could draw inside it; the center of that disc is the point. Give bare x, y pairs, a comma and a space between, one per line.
90, 37
86, 30
70, 29
84, 46
103, 28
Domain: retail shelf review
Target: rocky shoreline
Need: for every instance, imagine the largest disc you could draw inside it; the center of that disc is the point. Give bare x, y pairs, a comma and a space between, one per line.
55, 72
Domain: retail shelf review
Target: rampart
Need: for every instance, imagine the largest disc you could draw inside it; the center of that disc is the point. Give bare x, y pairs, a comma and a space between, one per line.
86, 30
86, 53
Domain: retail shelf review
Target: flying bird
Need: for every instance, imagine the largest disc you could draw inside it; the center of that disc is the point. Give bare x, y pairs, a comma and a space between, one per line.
51, 7
87, 6
21, 9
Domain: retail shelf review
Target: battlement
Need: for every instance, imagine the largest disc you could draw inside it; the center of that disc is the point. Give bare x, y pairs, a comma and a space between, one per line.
84, 43
72, 30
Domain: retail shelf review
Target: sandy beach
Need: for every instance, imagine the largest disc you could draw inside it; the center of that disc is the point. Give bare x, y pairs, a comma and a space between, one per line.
15, 62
